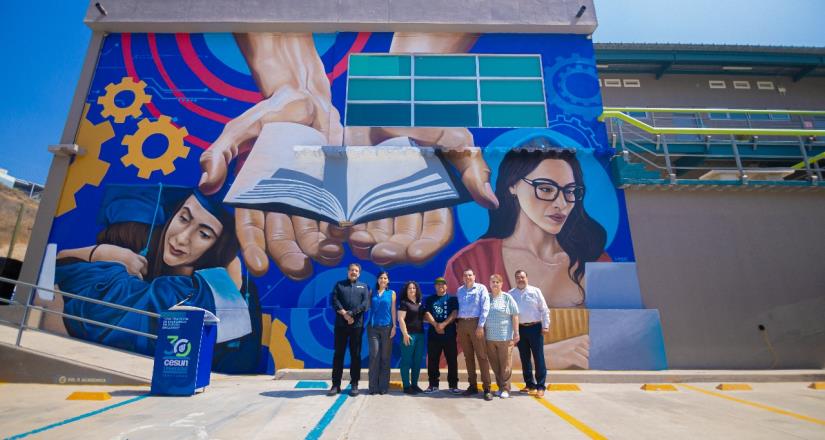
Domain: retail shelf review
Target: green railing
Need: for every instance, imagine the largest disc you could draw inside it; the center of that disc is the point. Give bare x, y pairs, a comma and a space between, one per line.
716, 146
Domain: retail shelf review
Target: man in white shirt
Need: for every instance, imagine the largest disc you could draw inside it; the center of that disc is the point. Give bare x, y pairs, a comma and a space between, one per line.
534, 323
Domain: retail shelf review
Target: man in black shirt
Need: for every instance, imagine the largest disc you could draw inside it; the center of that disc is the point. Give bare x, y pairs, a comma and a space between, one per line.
441, 311
350, 299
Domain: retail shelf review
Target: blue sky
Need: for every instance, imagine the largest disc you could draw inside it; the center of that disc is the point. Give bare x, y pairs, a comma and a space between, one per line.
45, 43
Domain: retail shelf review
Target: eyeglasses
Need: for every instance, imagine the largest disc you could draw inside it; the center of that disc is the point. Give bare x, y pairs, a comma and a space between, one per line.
549, 190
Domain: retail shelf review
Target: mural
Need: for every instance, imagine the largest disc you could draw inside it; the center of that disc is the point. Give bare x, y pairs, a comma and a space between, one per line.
242, 173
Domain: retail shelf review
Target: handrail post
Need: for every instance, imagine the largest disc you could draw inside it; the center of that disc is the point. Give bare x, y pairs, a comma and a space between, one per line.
619, 126
742, 175
25, 317
814, 177
668, 166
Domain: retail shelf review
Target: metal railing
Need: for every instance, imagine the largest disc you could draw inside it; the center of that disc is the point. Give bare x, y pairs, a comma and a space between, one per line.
28, 306
780, 147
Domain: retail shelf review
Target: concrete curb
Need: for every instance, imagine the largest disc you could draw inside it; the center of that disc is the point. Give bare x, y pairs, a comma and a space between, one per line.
591, 376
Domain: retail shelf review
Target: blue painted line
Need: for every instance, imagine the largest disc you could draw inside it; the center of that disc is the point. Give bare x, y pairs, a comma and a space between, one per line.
74, 419
316, 432
311, 384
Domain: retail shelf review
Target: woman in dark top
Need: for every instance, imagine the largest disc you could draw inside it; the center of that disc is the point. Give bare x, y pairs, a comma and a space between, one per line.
411, 322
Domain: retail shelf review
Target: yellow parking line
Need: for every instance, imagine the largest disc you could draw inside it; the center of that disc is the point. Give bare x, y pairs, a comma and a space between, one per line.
588, 431
756, 405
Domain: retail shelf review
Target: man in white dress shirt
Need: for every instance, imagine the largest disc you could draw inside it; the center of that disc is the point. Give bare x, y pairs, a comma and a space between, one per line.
534, 323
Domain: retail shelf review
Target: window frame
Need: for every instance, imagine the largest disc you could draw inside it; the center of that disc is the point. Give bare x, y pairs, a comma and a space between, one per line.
478, 78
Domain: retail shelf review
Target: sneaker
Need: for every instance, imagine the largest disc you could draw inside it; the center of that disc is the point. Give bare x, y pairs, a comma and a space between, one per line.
471, 390
410, 390
333, 390
455, 390
504, 395
431, 390
417, 389
488, 396
353, 391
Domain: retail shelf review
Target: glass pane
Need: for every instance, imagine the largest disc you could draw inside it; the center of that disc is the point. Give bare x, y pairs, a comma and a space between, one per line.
513, 116
434, 115
379, 65
718, 116
509, 66
780, 116
445, 90
515, 90
377, 115
445, 66
759, 117
378, 90
638, 115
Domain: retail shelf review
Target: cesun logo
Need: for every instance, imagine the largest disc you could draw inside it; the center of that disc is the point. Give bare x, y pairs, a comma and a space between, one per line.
181, 349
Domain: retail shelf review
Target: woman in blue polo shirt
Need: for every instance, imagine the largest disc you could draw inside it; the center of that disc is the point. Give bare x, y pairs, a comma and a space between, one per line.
380, 331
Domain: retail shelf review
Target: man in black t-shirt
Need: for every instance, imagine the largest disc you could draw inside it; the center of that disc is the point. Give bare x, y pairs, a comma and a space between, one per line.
440, 311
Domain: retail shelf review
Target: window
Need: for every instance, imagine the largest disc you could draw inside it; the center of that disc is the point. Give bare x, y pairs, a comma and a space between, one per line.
634, 83
613, 82
751, 116
742, 85
638, 115
716, 84
764, 85
446, 91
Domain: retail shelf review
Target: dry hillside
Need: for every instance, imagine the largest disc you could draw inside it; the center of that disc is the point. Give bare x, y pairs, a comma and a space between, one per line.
10, 202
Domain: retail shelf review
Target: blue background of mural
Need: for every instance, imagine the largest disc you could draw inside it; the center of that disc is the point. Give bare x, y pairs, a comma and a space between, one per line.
178, 91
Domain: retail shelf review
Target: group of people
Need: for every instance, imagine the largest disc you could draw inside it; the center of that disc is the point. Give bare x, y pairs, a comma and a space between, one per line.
487, 324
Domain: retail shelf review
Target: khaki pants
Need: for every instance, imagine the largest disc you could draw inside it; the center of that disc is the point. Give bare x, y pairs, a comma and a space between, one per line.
474, 347
500, 354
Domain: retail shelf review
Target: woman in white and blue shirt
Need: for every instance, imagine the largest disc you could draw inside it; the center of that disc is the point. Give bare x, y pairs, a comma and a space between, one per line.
501, 333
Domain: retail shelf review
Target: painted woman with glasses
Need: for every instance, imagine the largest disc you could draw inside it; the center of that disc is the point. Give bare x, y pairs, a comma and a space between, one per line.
541, 227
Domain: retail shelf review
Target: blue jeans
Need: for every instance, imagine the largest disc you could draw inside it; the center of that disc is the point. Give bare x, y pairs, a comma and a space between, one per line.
530, 345
411, 357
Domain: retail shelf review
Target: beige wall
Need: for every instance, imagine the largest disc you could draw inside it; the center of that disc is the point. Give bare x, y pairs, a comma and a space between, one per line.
718, 263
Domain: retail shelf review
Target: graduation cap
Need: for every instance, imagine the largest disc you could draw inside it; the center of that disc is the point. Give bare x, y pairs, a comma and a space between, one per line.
154, 204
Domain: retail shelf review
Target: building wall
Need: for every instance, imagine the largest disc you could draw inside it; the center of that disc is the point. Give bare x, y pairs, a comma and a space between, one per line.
160, 104
555, 16
718, 264
694, 91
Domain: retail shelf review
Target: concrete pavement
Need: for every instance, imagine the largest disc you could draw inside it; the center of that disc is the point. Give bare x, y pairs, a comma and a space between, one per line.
259, 407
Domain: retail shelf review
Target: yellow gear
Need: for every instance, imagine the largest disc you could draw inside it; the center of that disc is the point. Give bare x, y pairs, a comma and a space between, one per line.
274, 337
117, 113
166, 161
86, 169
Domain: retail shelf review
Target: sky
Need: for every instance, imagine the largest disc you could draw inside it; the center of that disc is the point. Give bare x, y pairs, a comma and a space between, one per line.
45, 43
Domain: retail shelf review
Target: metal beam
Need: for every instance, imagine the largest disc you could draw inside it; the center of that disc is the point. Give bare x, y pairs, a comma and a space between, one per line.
663, 69
803, 72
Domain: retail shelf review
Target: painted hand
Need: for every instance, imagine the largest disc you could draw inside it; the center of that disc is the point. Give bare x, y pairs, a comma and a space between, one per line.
135, 264
569, 353
290, 241
416, 238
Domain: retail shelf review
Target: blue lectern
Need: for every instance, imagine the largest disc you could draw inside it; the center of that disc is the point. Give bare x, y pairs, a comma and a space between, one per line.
183, 351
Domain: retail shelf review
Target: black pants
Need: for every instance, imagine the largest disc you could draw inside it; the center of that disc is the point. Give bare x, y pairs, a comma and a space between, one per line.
435, 346
344, 335
531, 344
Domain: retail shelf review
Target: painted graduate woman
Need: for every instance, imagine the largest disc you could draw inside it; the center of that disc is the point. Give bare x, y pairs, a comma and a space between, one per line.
159, 247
